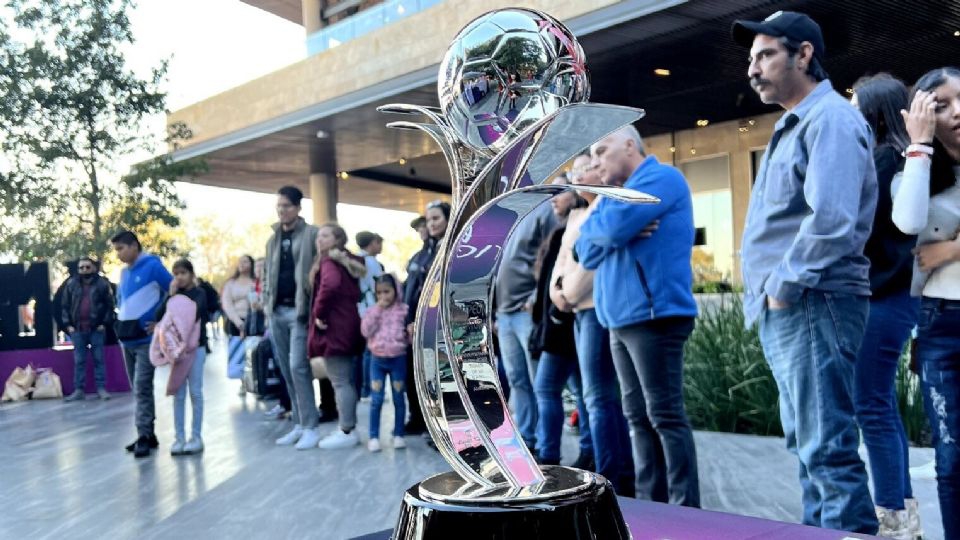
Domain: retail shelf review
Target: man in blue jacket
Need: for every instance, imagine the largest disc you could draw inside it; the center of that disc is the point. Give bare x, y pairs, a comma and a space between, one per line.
643, 295
144, 283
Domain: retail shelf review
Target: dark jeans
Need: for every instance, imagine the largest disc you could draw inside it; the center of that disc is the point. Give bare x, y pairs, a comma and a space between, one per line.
553, 373
649, 360
812, 348
875, 399
365, 373
396, 368
601, 397
140, 374
413, 400
938, 347
82, 340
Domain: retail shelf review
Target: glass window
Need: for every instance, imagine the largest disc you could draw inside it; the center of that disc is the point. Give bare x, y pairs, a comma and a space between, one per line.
709, 181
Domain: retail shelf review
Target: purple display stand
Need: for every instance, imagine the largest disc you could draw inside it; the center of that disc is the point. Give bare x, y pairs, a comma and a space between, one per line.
655, 521
61, 360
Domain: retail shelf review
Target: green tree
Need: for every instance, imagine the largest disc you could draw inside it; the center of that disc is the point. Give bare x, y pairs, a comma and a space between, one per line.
70, 109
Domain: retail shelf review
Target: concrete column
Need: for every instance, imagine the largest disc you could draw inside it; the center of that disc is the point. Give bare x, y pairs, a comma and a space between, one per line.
323, 193
311, 15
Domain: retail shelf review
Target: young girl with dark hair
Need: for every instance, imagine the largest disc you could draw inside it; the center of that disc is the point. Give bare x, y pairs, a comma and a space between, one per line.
926, 202
180, 339
384, 327
893, 314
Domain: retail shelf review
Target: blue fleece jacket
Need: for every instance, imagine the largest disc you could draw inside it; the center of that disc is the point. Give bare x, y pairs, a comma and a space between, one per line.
639, 279
143, 285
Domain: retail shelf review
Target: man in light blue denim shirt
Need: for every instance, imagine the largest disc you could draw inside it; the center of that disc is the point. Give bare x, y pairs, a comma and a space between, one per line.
805, 274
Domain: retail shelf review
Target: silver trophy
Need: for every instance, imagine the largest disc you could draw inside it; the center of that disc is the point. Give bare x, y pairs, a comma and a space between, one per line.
513, 89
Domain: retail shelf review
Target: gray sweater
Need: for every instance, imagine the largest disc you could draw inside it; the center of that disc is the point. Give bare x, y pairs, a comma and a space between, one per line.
516, 285
304, 251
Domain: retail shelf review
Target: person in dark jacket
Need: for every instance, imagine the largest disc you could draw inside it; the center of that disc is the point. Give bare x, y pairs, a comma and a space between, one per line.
87, 311
552, 344
893, 314
335, 326
437, 215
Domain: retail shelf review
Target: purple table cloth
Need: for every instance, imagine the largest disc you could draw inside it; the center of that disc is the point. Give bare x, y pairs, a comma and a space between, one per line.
61, 360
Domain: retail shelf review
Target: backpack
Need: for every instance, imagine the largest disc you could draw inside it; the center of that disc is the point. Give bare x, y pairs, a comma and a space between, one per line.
213, 297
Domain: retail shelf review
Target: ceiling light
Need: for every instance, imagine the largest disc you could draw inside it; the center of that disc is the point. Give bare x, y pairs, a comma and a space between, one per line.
751, 122
693, 151
321, 134
957, 33
661, 72
850, 91
343, 175
403, 161
673, 149
702, 123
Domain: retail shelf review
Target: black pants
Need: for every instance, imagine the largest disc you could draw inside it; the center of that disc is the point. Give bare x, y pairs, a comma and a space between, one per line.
649, 361
413, 400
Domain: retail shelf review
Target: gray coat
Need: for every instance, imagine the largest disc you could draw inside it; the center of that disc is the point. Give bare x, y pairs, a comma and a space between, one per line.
304, 251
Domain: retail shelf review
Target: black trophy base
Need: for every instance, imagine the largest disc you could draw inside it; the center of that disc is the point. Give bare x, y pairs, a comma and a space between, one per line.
571, 504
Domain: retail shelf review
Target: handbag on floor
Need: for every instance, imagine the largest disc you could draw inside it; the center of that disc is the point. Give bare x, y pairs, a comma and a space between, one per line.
47, 385
19, 384
250, 345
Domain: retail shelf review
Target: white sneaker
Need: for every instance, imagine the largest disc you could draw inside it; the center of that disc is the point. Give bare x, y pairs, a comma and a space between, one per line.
308, 440
276, 412
373, 445
338, 439
399, 442
292, 437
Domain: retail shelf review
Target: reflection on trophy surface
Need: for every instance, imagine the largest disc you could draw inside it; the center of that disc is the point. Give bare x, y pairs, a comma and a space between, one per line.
513, 90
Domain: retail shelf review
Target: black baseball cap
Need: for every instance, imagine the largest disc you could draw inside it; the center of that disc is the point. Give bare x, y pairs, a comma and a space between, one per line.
796, 26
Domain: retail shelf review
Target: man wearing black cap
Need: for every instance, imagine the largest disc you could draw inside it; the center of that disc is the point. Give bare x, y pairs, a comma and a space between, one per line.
805, 276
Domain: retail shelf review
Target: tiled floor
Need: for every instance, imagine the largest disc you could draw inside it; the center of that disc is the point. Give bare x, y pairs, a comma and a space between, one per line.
64, 474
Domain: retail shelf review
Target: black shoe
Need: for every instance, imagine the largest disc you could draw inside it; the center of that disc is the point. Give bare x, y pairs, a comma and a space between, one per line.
151, 440
327, 416
141, 448
584, 462
415, 428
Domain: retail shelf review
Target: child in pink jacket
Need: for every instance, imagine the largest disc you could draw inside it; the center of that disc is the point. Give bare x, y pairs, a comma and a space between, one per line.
383, 326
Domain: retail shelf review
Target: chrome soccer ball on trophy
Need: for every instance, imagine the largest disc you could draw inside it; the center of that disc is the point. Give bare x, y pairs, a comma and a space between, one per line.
506, 71
513, 91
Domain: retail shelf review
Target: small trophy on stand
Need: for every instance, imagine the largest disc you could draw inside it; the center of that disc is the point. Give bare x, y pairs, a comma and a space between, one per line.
513, 89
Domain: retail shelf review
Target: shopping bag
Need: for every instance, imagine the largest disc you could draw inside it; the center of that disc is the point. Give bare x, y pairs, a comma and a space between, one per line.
18, 384
235, 358
319, 367
47, 385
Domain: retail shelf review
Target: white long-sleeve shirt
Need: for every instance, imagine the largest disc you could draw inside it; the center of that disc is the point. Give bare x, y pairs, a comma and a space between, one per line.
932, 219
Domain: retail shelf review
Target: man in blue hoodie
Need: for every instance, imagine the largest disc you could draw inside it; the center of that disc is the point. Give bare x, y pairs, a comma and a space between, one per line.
144, 284
643, 295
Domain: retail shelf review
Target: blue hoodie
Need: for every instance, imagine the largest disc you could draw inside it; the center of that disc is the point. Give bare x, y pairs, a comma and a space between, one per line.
642, 279
143, 286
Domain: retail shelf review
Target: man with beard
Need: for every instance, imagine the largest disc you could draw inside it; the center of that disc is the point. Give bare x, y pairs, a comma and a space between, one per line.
87, 310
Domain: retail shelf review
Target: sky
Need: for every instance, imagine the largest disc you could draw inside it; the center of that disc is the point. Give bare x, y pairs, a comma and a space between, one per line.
215, 45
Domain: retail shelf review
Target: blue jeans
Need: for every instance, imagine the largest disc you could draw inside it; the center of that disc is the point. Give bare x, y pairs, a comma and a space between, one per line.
396, 368
812, 347
81, 340
514, 333
875, 399
601, 397
195, 383
365, 373
938, 348
553, 372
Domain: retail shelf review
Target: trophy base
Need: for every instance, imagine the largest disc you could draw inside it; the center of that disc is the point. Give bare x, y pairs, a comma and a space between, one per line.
570, 504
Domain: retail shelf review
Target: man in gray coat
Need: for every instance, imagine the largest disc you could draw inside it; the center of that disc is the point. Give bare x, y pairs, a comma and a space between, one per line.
286, 302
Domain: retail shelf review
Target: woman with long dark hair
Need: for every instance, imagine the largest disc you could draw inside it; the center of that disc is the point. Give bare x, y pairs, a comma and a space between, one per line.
334, 326
926, 202
893, 314
437, 215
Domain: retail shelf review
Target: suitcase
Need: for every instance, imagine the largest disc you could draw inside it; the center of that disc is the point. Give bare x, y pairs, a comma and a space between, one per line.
266, 377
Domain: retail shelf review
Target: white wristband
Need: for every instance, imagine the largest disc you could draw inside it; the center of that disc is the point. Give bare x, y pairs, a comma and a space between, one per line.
922, 148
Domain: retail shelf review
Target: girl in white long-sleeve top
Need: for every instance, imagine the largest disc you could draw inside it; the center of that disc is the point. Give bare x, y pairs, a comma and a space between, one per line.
926, 202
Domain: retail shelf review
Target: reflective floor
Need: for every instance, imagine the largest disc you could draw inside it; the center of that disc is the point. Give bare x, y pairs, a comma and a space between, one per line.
64, 474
